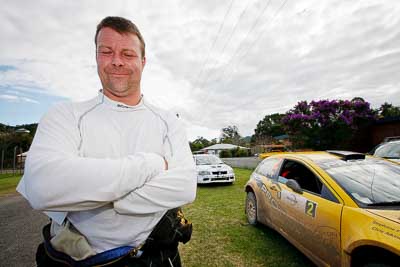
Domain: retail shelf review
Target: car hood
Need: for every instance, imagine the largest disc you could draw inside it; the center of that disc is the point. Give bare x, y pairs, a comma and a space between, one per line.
393, 215
216, 167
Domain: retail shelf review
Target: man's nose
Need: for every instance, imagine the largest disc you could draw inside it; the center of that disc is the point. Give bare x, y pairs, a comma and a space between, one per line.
117, 61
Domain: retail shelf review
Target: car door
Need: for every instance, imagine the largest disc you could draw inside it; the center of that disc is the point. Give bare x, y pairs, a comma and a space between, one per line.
313, 216
264, 175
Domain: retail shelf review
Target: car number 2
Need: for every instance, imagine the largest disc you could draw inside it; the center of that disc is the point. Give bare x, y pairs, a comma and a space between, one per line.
311, 208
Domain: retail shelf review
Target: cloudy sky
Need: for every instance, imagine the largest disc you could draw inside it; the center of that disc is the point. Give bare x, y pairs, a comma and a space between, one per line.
216, 63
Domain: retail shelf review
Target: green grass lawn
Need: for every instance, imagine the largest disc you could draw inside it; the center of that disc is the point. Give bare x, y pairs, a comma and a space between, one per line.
222, 237
8, 183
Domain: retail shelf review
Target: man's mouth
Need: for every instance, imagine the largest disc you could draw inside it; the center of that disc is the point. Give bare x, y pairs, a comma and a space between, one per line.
117, 74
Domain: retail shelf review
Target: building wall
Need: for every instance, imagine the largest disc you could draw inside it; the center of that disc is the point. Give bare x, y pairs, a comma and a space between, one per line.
380, 131
246, 163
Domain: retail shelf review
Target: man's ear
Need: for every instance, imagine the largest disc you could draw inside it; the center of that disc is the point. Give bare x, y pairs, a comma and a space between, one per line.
143, 62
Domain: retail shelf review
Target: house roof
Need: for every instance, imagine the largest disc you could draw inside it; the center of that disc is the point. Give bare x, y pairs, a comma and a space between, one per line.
222, 147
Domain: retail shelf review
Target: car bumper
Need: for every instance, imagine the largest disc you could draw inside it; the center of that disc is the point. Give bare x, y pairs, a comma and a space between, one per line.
208, 179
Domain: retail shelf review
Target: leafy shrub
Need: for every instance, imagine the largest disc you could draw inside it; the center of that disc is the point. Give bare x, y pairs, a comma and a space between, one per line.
327, 124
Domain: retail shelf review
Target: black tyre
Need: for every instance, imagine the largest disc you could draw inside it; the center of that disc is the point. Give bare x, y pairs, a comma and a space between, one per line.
377, 259
251, 208
377, 264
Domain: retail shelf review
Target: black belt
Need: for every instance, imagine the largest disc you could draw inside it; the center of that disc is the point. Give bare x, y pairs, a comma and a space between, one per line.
162, 242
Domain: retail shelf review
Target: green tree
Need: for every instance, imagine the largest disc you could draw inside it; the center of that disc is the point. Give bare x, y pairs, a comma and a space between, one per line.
225, 154
242, 153
357, 98
269, 127
253, 140
199, 143
230, 135
388, 110
213, 141
10, 140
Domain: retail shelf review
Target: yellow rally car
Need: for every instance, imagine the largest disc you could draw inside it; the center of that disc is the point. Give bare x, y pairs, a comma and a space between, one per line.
339, 208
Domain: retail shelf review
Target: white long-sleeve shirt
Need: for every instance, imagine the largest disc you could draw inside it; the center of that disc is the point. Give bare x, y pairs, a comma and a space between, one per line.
102, 162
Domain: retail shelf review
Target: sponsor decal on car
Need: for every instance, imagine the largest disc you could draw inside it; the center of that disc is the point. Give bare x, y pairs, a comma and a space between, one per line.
299, 203
267, 193
385, 229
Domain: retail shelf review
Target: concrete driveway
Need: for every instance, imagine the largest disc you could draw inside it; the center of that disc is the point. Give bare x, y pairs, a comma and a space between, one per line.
20, 228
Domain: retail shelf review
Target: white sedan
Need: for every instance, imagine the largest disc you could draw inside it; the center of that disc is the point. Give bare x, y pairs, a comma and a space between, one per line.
211, 169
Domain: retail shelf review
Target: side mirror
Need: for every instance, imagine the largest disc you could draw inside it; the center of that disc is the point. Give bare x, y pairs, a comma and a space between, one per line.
294, 185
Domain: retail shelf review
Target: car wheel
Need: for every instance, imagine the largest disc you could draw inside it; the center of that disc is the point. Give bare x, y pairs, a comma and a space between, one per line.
251, 208
378, 261
377, 264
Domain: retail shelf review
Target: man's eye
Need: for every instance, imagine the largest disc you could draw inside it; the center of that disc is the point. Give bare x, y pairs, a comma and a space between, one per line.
129, 55
105, 52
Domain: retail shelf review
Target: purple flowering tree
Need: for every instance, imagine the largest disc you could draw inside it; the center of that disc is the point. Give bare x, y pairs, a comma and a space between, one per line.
327, 124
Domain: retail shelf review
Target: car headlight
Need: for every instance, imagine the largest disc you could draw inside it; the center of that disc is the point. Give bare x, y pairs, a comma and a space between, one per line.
204, 173
230, 171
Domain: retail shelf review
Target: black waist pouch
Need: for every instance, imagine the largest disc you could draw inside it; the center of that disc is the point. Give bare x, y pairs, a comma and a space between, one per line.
169, 231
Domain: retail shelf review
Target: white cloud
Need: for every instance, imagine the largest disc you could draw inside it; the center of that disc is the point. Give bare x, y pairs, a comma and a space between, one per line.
17, 99
306, 50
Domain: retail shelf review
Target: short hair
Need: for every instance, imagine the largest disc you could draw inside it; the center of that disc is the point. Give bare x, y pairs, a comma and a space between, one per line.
120, 25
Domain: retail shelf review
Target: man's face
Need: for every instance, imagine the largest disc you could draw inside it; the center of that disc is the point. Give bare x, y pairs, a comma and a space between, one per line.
119, 63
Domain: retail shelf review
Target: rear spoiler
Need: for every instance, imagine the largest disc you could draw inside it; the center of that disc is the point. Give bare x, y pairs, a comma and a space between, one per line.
347, 155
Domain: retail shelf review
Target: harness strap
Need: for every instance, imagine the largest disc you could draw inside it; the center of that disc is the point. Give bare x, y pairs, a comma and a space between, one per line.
101, 259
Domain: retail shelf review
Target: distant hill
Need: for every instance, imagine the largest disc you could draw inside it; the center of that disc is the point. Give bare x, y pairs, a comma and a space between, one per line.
10, 129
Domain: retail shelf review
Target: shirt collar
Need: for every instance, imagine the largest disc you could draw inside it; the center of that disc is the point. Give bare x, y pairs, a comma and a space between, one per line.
119, 105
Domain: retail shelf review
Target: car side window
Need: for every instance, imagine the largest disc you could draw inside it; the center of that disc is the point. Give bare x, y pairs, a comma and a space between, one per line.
305, 178
327, 194
268, 167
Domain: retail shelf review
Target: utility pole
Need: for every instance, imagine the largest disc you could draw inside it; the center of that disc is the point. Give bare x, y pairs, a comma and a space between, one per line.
14, 158
2, 161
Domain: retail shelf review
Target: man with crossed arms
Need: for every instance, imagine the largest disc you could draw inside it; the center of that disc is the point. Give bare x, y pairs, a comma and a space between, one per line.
113, 165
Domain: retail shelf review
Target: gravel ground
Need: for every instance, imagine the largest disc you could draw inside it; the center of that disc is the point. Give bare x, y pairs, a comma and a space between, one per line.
20, 228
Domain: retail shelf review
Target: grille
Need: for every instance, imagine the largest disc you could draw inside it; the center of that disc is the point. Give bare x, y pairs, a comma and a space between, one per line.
220, 172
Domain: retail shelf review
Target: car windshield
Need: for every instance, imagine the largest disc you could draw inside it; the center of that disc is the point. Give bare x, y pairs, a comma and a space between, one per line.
369, 181
388, 150
208, 160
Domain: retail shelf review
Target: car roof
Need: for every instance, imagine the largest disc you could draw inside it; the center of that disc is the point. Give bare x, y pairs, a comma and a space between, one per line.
320, 156
387, 143
204, 155
308, 155
391, 142
391, 139
326, 159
